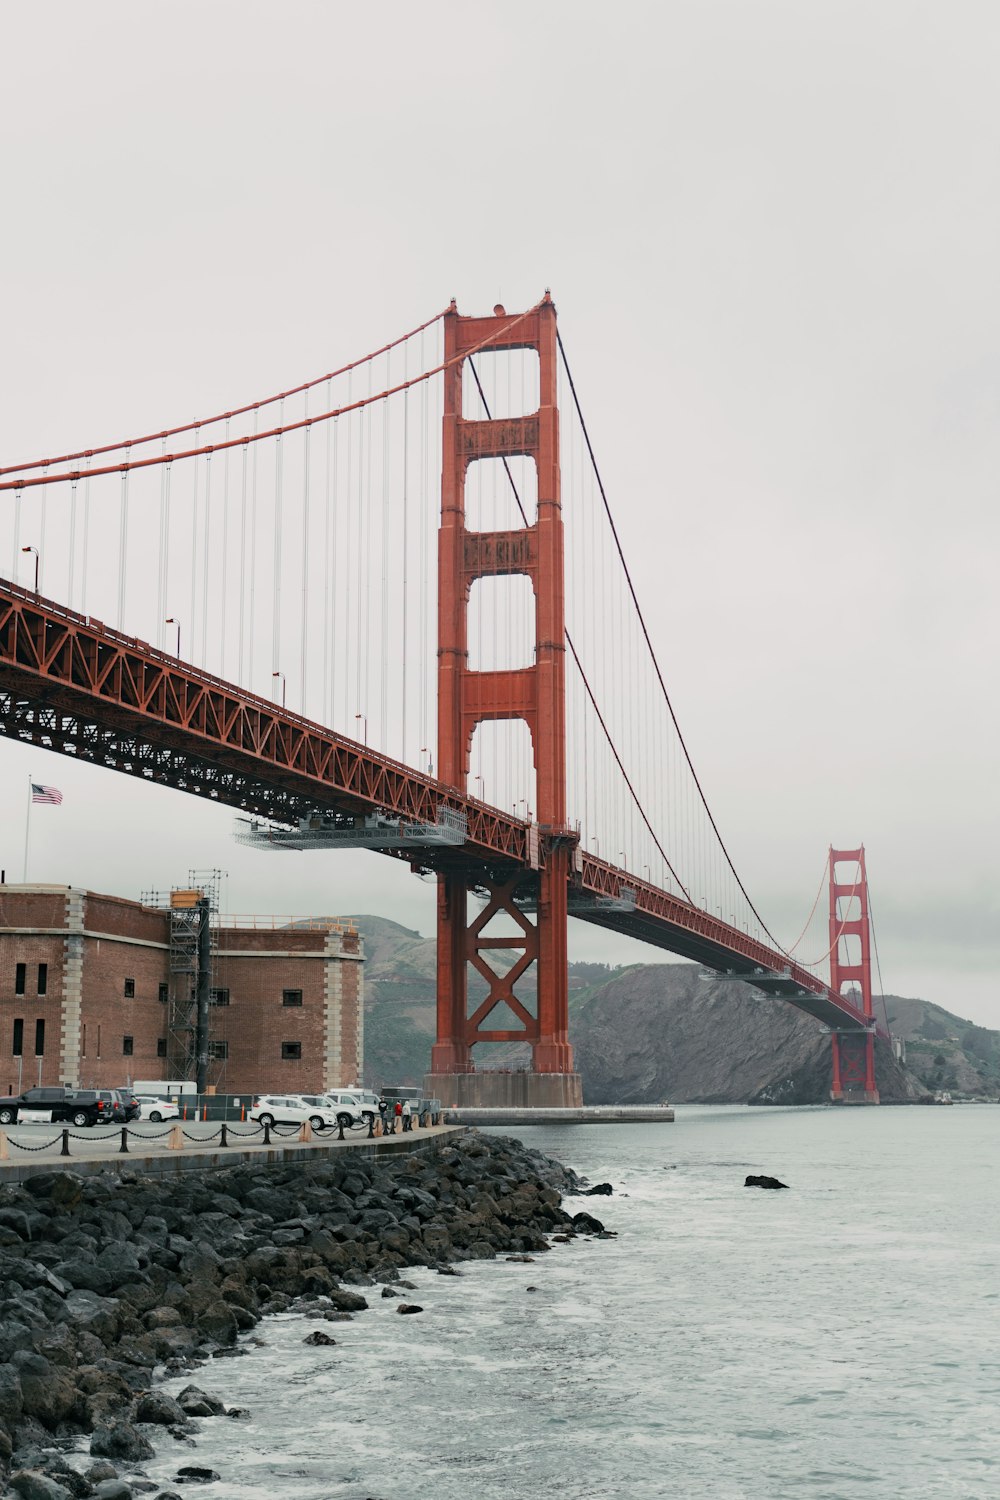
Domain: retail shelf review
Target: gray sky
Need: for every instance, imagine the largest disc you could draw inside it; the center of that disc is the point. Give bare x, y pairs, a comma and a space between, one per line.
771, 230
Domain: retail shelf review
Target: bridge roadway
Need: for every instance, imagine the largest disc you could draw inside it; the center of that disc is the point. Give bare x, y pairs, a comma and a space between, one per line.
71, 684
31, 1149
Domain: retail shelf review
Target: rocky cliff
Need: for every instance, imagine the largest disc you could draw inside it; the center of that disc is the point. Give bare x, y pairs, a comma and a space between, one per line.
660, 1031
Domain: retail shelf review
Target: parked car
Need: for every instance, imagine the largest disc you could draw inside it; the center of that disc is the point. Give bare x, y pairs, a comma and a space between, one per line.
114, 1108
367, 1101
45, 1106
152, 1108
130, 1104
292, 1109
345, 1107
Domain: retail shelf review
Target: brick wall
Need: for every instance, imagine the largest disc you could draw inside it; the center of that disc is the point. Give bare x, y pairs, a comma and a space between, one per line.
93, 944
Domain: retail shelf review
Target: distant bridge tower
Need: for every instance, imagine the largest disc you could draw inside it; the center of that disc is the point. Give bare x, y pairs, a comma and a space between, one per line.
468, 698
851, 964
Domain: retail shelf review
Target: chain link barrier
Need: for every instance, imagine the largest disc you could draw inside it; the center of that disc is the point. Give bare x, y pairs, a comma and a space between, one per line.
225, 1132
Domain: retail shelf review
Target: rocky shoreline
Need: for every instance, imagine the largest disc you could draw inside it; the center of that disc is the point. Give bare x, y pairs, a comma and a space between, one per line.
111, 1283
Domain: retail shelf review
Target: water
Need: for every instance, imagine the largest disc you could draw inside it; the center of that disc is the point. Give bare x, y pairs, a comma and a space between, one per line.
834, 1341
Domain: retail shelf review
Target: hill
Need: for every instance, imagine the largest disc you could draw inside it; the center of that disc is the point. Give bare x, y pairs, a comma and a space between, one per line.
653, 1031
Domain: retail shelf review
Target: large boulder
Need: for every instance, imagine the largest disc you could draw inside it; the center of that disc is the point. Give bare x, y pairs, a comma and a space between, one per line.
120, 1440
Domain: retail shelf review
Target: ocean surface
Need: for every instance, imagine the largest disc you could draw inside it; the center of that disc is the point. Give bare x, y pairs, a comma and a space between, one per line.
835, 1341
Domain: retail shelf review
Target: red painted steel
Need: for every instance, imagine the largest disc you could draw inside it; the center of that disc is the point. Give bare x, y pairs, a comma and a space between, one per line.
853, 1052
535, 694
70, 684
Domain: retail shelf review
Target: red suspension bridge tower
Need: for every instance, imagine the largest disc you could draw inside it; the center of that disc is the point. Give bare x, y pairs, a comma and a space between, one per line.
851, 964
535, 694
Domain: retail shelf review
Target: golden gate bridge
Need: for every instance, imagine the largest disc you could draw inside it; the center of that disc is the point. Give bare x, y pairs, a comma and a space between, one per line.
440, 496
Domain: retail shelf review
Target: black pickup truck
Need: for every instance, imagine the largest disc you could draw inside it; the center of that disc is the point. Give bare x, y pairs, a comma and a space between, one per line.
41, 1106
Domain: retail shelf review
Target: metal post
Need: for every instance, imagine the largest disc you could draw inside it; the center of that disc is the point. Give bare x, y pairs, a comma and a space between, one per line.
371, 1127
267, 1135
340, 1128
123, 1148
65, 1144
224, 1138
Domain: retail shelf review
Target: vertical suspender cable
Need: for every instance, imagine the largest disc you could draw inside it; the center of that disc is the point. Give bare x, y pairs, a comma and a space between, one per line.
161, 606
192, 610
225, 558
327, 528
243, 562
303, 679
251, 620
122, 546
72, 542
167, 468
15, 564
86, 541
384, 631
423, 579
406, 547
205, 559
279, 461
43, 516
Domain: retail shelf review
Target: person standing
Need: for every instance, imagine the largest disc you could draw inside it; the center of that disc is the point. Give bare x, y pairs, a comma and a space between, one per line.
407, 1115
397, 1116
382, 1109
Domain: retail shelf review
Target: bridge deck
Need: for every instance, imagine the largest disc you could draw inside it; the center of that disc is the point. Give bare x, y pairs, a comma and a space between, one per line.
71, 684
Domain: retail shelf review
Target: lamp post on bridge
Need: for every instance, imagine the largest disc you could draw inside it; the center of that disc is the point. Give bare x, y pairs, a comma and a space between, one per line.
482, 787
424, 750
35, 551
364, 719
173, 620
284, 685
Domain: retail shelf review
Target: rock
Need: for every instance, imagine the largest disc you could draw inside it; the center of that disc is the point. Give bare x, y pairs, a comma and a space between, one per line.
584, 1224
408, 1307
196, 1474
158, 1408
347, 1301
11, 1397
198, 1403
604, 1188
113, 1489
764, 1182
33, 1484
100, 1471
120, 1440
319, 1337
388, 1291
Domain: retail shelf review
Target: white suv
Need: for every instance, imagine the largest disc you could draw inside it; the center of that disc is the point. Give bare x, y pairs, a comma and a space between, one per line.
293, 1109
345, 1107
362, 1106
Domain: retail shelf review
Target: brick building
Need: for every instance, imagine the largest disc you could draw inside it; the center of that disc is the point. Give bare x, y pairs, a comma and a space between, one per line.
87, 985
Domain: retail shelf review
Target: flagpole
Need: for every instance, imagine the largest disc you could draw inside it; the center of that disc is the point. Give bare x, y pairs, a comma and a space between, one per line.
27, 826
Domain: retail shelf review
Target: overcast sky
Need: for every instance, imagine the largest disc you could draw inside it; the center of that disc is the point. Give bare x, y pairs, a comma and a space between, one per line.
771, 230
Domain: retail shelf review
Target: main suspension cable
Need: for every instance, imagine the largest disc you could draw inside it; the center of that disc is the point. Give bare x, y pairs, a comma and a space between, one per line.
579, 665
272, 432
652, 653
225, 416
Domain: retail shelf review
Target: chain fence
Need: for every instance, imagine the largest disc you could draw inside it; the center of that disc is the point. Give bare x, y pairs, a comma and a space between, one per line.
226, 1134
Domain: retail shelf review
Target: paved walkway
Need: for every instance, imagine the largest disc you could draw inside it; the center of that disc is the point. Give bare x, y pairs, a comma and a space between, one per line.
28, 1149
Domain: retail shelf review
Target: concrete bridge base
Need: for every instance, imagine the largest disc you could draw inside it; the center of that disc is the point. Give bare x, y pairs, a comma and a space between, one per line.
494, 1090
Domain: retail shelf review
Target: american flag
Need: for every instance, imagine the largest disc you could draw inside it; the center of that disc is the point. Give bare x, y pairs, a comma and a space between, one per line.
48, 794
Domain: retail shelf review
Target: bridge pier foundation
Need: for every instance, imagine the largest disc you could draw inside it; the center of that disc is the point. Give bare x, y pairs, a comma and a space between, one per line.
492, 1089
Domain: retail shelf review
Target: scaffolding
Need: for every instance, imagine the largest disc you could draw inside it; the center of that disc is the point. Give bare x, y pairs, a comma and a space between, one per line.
193, 912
